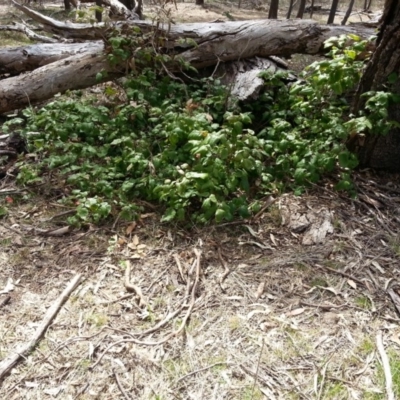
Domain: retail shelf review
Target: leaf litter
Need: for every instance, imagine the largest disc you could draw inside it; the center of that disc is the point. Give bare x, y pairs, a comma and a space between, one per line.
300, 302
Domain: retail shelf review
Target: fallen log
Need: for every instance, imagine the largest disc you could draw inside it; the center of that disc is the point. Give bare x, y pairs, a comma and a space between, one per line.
203, 32
207, 43
76, 72
14, 60
200, 44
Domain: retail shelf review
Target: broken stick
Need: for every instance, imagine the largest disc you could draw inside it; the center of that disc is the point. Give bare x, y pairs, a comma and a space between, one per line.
9, 362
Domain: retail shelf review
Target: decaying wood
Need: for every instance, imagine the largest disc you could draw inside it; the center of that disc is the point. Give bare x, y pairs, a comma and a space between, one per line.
9, 362
243, 76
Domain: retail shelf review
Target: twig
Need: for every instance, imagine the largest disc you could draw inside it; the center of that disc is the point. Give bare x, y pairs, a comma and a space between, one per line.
258, 366
127, 296
201, 370
80, 393
346, 275
122, 390
178, 263
131, 287
323, 375
227, 271
5, 301
9, 362
267, 204
62, 214
386, 366
172, 334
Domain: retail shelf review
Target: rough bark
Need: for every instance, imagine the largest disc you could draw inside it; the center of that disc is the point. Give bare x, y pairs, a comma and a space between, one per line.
383, 151
243, 76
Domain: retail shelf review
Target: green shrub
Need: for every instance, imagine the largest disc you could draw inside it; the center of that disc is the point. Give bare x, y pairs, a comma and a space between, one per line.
182, 146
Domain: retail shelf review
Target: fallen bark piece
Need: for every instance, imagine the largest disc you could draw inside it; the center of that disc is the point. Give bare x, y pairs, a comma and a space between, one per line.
11, 360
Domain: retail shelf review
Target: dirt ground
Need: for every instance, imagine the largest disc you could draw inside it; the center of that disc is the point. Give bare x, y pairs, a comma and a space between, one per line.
297, 303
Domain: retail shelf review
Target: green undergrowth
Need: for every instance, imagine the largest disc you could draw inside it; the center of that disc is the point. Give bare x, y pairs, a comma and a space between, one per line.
189, 147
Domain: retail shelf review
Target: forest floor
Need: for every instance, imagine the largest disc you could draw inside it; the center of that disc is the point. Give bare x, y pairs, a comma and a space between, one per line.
294, 303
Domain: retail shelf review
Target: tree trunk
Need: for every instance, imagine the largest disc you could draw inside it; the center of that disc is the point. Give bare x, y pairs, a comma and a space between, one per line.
200, 3
348, 12
302, 6
367, 5
99, 3
311, 8
332, 13
383, 151
289, 13
273, 9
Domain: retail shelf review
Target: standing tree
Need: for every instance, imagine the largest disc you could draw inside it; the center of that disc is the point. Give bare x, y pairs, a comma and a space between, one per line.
367, 5
273, 9
302, 7
289, 12
332, 13
348, 12
382, 74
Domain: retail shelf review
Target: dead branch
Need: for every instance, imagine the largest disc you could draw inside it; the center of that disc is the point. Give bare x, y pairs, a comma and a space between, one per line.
18, 27
11, 360
121, 388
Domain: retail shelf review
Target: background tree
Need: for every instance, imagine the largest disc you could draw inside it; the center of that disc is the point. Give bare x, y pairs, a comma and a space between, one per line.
348, 12
367, 5
290, 8
302, 7
332, 13
382, 74
273, 9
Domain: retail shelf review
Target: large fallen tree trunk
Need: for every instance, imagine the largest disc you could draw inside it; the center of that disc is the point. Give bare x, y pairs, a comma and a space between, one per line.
200, 44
